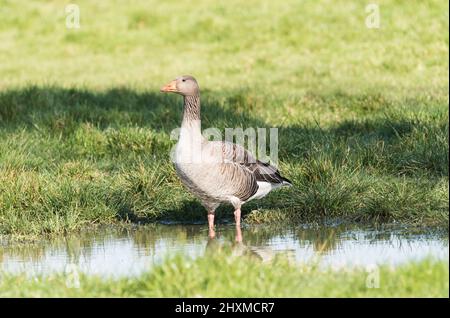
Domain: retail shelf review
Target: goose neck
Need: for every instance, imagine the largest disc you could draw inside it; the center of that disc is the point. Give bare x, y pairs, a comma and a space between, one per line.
191, 112
191, 124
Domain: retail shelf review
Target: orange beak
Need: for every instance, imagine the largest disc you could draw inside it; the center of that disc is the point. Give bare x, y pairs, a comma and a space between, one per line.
170, 87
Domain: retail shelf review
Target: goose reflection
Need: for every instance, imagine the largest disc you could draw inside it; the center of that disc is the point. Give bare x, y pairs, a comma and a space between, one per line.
238, 248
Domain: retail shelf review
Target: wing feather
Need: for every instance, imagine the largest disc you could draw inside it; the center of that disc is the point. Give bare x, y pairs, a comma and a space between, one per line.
262, 171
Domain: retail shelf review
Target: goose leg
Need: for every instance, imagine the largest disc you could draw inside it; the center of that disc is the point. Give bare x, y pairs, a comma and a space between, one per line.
237, 217
238, 236
211, 231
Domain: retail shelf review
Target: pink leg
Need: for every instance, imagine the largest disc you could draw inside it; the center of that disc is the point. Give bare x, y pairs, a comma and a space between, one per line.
211, 231
237, 217
238, 237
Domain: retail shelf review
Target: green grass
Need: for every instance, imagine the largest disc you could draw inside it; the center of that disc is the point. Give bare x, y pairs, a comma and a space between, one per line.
362, 113
217, 275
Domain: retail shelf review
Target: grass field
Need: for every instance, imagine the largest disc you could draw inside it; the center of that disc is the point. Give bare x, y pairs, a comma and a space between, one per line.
84, 132
221, 276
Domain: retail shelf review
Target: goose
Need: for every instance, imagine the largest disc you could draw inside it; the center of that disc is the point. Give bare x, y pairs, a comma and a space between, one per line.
216, 172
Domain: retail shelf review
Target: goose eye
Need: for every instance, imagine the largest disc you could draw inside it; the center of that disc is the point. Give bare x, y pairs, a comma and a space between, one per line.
184, 80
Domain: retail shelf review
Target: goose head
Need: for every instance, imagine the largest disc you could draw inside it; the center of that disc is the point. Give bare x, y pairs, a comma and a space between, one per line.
185, 85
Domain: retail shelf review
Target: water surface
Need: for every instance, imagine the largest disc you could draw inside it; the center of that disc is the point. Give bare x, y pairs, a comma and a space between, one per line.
122, 252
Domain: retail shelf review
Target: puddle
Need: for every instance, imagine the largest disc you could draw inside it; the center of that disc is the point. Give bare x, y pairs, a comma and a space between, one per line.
127, 252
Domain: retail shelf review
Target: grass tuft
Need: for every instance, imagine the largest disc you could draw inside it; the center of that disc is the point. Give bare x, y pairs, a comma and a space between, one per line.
85, 134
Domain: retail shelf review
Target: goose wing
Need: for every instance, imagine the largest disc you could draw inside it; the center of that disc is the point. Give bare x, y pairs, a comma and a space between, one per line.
242, 170
262, 171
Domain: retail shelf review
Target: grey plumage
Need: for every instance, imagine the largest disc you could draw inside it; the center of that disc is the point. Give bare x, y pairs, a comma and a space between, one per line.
223, 172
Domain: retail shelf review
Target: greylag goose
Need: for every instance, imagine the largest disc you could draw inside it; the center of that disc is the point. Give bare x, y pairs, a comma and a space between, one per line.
216, 171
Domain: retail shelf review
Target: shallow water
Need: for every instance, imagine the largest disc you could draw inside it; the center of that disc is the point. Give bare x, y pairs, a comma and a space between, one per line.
128, 252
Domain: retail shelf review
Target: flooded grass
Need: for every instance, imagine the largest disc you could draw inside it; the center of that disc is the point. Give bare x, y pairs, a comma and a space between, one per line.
132, 251
179, 261
85, 140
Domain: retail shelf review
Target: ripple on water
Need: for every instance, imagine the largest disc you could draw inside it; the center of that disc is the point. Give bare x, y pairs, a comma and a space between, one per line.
128, 252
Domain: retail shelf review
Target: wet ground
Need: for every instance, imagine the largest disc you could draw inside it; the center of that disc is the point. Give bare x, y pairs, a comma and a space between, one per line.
122, 252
